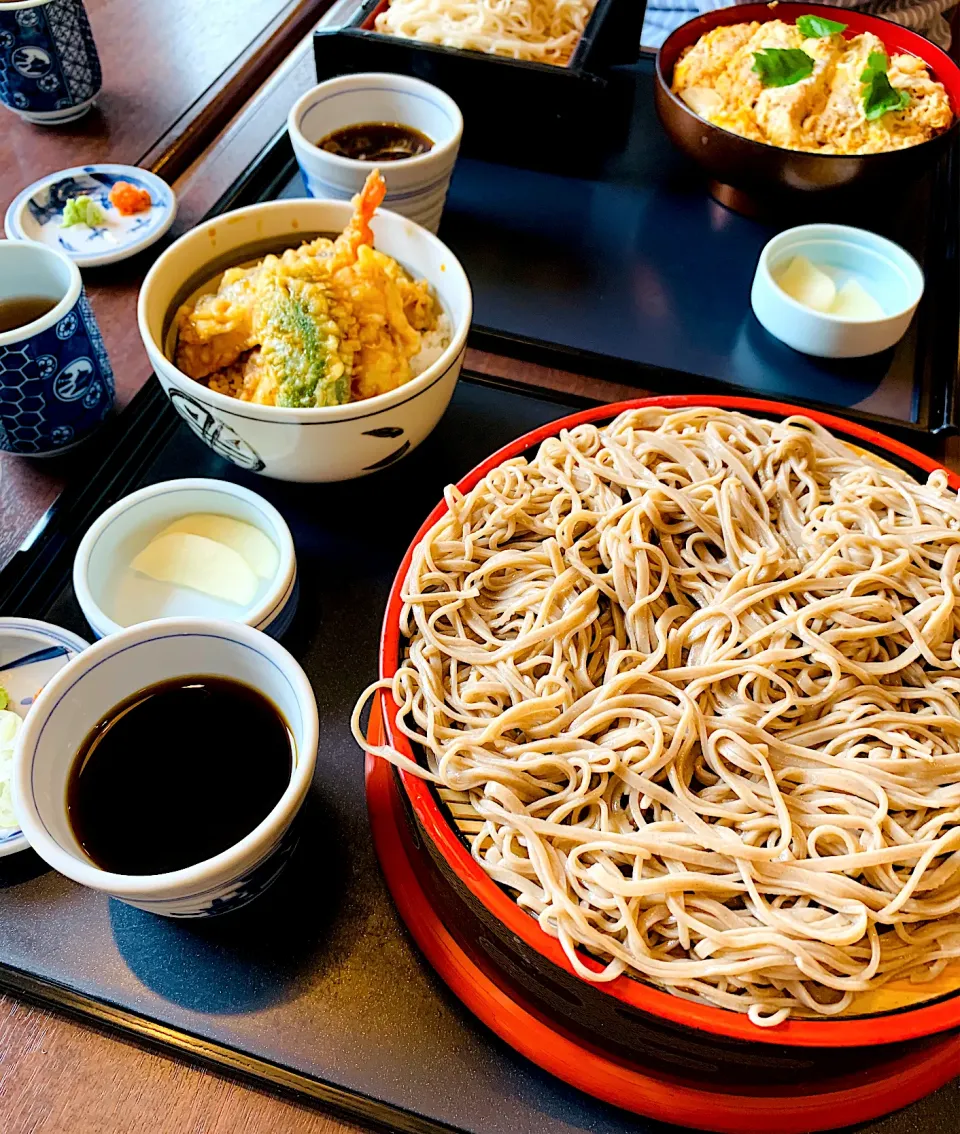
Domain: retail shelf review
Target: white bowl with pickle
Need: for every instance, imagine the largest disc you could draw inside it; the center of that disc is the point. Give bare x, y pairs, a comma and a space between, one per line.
308, 340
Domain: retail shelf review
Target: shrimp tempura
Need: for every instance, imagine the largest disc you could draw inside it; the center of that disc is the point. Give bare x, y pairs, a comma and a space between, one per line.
358, 231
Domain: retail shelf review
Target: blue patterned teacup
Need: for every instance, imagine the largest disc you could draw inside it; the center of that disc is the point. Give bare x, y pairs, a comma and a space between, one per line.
56, 385
49, 68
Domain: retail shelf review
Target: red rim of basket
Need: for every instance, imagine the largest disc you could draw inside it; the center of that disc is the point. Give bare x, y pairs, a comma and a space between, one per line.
898, 1024
806, 1107
894, 36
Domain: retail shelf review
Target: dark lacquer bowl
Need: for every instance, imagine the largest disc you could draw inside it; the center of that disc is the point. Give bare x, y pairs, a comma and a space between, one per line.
753, 176
627, 1014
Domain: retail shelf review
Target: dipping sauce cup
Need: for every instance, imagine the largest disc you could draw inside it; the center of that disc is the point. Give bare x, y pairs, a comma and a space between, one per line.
416, 186
56, 385
49, 68
107, 673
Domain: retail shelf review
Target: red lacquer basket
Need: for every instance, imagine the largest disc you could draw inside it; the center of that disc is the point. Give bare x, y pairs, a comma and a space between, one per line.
626, 1014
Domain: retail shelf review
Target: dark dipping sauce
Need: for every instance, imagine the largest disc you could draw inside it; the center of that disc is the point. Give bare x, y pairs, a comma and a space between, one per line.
177, 773
376, 141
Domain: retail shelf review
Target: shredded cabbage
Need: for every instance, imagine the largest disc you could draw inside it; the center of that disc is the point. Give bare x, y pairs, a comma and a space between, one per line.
10, 725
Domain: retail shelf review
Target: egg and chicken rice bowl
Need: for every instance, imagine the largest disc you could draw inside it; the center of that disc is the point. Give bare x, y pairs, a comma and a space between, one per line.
329, 322
803, 86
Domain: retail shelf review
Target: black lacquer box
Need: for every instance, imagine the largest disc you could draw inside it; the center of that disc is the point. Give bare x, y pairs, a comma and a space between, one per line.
538, 115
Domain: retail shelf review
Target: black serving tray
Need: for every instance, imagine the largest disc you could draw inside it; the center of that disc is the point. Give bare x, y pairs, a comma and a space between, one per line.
636, 274
633, 273
314, 989
537, 114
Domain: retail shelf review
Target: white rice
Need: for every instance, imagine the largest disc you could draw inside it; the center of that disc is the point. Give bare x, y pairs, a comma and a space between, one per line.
432, 345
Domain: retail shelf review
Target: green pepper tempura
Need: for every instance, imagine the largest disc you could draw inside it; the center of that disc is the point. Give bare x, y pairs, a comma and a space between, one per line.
301, 343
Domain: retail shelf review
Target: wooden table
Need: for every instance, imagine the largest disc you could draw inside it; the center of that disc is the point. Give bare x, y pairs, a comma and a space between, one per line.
58, 1075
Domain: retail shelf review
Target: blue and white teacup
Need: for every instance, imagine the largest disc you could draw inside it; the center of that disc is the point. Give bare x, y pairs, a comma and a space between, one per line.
49, 67
56, 385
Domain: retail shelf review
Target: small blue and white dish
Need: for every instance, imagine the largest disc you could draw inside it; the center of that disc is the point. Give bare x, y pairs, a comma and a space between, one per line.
56, 384
49, 67
36, 214
31, 653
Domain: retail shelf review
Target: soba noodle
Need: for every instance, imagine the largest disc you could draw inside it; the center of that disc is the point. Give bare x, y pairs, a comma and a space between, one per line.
546, 31
699, 674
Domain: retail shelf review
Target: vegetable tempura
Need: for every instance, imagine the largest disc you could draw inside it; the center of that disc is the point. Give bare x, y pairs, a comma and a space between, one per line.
323, 324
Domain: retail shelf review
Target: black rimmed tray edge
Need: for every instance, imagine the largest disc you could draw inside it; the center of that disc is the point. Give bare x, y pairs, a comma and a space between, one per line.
222, 1058
937, 363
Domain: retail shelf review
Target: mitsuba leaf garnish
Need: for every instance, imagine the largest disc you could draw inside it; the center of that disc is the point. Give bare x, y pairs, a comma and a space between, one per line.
782, 66
879, 95
816, 27
876, 61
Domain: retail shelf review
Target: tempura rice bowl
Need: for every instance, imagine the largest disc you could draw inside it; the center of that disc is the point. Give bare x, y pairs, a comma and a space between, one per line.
319, 443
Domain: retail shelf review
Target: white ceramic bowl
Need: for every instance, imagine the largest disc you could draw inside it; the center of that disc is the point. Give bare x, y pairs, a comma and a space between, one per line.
416, 186
112, 596
117, 667
21, 638
317, 444
887, 271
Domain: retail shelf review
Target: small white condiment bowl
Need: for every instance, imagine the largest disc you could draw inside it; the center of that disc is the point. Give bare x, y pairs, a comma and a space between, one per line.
21, 638
324, 443
886, 270
85, 690
416, 186
112, 596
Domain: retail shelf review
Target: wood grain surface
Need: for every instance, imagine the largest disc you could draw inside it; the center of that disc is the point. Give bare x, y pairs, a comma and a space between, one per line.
58, 1076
